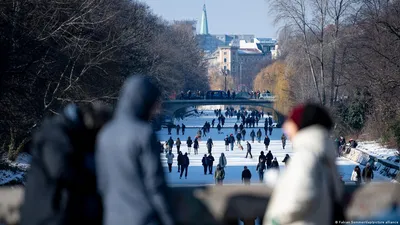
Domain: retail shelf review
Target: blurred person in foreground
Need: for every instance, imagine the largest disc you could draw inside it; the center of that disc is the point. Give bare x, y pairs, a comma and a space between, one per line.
130, 175
309, 191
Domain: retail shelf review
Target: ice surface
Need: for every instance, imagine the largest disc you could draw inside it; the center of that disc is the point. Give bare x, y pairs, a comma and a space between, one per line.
235, 159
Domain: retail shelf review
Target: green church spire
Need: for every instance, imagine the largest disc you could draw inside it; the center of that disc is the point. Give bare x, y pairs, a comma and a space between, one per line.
204, 23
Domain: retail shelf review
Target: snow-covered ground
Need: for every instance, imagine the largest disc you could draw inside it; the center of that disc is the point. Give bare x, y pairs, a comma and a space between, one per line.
15, 171
235, 159
375, 149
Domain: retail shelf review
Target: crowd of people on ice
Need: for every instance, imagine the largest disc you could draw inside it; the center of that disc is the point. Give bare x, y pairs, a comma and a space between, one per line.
94, 166
230, 95
248, 120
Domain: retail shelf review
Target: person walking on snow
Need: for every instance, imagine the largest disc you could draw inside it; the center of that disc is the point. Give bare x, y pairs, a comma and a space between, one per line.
275, 164
238, 137
196, 146
204, 162
249, 150
246, 176
252, 135
286, 159
178, 128
178, 144
226, 140
219, 128
222, 160
262, 157
243, 134
259, 134
210, 144
283, 138
219, 175
260, 169
231, 141
185, 165
270, 157
236, 128
199, 133
183, 129
170, 144
212, 123
180, 160
267, 141
210, 162
189, 143
356, 175
367, 173
170, 160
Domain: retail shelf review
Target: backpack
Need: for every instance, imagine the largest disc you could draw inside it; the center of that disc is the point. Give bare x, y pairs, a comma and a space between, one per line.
67, 194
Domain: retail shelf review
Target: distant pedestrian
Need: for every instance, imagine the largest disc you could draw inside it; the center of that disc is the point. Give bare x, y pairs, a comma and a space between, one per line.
212, 123
180, 161
210, 144
204, 162
238, 137
231, 141
189, 143
178, 128
196, 146
286, 159
185, 165
219, 128
170, 160
356, 175
183, 129
178, 144
260, 169
283, 138
249, 150
170, 144
270, 157
252, 135
367, 173
226, 140
275, 164
267, 141
244, 134
219, 175
236, 128
210, 162
259, 134
246, 176
222, 160
199, 133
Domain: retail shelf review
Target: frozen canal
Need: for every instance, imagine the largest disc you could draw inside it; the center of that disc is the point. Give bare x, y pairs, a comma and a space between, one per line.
235, 159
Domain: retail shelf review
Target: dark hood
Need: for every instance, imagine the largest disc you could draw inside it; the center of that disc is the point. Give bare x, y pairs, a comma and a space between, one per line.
137, 98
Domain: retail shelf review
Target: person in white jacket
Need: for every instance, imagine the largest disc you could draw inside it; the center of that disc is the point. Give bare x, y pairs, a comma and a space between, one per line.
304, 193
170, 160
222, 160
356, 175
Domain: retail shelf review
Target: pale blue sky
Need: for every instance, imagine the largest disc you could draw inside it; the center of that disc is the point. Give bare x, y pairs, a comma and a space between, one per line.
239, 16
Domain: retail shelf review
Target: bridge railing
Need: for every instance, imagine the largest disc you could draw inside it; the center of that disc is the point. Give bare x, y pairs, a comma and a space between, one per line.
214, 205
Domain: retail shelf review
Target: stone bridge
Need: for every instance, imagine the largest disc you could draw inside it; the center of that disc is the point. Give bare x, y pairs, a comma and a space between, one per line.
172, 106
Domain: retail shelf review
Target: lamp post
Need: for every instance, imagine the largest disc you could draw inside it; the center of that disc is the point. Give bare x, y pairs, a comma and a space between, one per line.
225, 74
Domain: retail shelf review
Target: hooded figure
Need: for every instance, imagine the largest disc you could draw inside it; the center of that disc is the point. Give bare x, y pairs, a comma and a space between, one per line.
222, 160
136, 187
317, 192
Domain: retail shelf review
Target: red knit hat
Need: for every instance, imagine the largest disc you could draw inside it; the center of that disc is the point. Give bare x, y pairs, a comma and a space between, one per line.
297, 114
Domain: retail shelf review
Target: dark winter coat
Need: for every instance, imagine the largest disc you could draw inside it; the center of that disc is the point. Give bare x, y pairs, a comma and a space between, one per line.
209, 143
170, 142
246, 174
248, 147
243, 132
196, 144
260, 167
137, 187
204, 161
210, 160
227, 140
189, 142
275, 165
367, 174
259, 133
269, 156
267, 141
180, 159
286, 159
185, 161
232, 139
263, 157
252, 133
239, 136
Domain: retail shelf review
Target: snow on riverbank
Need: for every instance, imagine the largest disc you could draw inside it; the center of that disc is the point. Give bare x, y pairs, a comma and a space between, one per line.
14, 172
375, 149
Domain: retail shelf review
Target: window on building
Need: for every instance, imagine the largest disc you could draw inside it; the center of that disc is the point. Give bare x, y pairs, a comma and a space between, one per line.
224, 59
